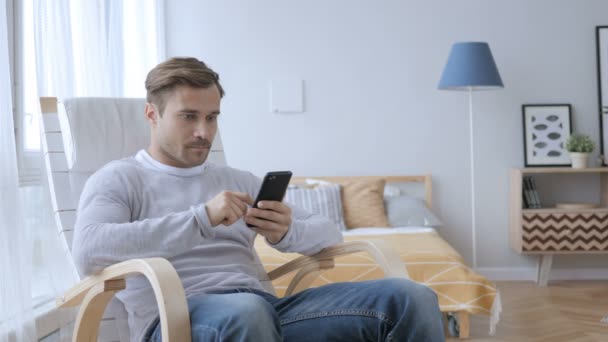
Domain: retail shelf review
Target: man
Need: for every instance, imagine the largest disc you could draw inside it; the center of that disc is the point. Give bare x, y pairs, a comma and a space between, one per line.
166, 201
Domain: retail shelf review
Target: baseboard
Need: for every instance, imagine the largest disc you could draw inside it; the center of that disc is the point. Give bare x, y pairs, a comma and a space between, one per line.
529, 273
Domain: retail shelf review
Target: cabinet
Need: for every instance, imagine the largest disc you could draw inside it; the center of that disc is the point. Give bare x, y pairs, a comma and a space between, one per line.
550, 231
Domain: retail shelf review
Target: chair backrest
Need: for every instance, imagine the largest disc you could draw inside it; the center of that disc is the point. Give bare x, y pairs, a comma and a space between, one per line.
80, 135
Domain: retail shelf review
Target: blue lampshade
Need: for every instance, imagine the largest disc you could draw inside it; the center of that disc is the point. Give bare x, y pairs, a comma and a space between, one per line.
470, 65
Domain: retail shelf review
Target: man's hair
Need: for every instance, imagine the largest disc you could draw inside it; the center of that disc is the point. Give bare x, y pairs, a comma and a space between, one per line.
178, 71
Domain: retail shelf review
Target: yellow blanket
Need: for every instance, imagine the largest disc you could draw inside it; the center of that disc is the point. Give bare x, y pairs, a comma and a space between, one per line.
429, 259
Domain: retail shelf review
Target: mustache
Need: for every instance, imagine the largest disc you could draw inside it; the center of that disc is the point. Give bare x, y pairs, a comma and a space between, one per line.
201, 143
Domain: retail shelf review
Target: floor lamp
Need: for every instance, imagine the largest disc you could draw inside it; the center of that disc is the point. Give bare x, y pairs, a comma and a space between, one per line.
471, 66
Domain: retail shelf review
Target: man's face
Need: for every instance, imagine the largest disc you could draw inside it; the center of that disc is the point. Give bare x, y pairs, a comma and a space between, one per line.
182, 137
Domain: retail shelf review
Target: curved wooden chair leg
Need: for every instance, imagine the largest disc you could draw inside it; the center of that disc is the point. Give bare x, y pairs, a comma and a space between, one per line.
307, 274
94, 292
92, 309
384, 256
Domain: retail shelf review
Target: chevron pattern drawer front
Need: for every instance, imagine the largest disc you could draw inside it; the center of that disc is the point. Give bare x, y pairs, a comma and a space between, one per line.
582, 231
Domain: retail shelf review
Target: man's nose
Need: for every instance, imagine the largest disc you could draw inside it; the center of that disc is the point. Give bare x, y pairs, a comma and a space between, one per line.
201, 130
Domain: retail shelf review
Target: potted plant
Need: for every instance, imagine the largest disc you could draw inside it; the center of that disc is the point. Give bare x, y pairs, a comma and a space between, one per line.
579, 146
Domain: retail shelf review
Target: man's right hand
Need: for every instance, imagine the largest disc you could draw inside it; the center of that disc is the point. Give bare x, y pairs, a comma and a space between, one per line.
227, 207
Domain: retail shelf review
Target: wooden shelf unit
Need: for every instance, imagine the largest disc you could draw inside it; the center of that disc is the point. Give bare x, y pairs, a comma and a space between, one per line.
550, 231
532, 170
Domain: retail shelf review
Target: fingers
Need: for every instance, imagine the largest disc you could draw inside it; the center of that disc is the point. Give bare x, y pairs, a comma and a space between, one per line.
227, 207
272, 231
266, 228
238, 206
272, 220
267, 215
243, 197
279, 207
231, 216
261, 224
234, 208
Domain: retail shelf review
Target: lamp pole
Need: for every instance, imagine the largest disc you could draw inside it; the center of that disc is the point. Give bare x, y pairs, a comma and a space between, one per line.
472, 154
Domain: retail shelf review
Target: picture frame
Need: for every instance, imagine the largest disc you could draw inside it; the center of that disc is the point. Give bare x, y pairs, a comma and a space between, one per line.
546, 129
601, 41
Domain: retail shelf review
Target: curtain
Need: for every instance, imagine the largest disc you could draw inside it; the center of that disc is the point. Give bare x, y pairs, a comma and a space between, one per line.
97, 47
16, 315
77, 48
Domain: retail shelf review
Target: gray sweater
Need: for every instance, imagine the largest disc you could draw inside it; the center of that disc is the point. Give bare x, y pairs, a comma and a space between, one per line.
139, 208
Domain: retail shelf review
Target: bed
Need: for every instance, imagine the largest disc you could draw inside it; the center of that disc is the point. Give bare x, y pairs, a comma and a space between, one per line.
427, 257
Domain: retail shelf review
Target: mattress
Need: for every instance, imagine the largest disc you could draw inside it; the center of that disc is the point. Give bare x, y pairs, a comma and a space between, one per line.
429, 260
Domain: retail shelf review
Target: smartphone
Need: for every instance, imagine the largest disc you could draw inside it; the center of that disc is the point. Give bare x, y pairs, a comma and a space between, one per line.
273, 187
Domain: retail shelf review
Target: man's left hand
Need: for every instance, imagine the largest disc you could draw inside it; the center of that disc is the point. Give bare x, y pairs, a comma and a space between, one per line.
271, 219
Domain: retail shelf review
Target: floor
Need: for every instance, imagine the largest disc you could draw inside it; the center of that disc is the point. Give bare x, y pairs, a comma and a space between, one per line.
564, 311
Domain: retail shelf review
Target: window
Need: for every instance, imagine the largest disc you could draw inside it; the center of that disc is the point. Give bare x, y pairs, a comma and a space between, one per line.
29, 123
72, 65
27, 135
27, 127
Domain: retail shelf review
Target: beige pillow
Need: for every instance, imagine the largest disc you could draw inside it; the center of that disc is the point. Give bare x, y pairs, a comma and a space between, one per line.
363, 203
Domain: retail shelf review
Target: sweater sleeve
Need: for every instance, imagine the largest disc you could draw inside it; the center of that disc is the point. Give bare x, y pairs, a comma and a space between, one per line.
104, 233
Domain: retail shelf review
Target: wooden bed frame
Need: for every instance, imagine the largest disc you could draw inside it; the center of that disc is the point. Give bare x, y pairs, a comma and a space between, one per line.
426, 180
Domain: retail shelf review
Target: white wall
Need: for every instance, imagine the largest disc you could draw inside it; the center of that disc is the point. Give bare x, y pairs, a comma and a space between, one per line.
372, 106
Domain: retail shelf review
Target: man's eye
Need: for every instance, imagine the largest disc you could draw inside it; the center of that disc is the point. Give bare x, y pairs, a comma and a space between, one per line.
189, 116
212, 118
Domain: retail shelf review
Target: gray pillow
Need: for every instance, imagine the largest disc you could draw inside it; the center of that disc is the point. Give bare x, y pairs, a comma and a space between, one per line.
323, 200
407, 211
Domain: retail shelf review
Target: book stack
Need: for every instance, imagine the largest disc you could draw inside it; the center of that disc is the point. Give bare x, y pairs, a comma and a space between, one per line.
531, 199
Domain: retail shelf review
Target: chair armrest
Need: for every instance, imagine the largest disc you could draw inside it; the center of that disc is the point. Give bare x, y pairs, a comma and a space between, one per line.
168, 290
383, 254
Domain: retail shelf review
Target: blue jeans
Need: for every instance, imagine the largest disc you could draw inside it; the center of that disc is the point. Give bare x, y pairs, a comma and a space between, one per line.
377, 310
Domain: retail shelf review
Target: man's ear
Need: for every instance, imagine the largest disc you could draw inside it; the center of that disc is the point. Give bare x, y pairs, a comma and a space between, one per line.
151, 113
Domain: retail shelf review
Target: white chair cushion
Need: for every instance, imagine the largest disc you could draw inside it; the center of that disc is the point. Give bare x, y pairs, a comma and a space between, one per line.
98, 130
